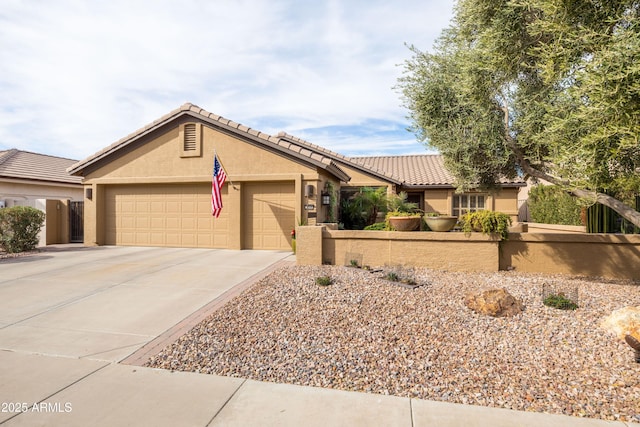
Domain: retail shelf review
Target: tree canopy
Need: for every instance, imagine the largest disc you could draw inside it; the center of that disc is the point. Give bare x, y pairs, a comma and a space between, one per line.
550, 88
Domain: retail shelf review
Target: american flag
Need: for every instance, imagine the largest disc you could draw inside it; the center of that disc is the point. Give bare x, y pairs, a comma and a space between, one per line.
219, 177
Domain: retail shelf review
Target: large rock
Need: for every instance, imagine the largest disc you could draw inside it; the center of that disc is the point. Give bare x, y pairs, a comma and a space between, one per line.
493, 302
623, 322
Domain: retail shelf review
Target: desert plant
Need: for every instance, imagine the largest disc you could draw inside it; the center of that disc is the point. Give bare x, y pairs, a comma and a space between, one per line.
354, 263
397, 203
333, 201
19, 228
372, 202
362, 209
400, 275
550, 204
559, 301
378, 226
351, 216
392, 276
487, 222
324, 281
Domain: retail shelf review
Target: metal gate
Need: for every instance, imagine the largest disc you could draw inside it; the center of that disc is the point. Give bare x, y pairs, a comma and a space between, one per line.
76, 217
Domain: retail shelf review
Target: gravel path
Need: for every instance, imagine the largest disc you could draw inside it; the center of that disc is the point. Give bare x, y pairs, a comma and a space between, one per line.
363, 333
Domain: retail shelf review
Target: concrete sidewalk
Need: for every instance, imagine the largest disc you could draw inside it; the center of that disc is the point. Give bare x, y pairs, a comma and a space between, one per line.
71, 317
70, 392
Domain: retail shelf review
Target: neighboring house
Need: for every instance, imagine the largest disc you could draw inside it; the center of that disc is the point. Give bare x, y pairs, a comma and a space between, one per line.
153, 187
42, 182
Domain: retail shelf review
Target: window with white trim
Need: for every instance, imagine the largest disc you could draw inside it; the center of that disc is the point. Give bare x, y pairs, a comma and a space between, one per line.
463, 203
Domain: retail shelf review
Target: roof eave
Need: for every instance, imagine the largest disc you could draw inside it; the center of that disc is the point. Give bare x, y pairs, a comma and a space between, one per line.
260, 138
77, 168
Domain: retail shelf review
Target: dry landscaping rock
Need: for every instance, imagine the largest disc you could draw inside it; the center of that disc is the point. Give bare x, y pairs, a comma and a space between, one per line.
362, 334
624, 321
494, 302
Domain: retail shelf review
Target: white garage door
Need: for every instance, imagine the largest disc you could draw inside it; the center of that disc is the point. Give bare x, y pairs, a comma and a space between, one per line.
176, 215
269, 215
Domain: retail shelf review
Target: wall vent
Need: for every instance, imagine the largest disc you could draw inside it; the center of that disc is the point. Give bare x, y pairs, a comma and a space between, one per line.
190, 137
191, 140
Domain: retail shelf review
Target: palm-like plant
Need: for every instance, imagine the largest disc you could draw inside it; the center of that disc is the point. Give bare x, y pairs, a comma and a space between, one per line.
399, 203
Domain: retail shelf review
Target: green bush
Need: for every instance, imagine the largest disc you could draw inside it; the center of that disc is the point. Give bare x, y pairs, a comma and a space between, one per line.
559, 301
487, 222
324, 281
550, 204
378, 226
19, 228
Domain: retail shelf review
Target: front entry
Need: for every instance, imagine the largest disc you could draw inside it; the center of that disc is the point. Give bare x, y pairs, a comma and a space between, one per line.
76, 219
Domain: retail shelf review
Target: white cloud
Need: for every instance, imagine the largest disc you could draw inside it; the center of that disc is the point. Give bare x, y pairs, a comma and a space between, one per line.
77, 76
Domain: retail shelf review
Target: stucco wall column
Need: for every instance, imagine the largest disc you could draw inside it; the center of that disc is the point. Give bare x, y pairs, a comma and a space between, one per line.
233, 202
309, 245
92, 221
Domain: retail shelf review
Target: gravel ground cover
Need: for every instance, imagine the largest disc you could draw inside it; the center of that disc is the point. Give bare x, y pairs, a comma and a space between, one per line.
6, 255
364, 333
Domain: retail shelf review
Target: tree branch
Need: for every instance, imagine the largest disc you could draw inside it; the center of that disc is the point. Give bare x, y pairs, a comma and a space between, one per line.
627, 212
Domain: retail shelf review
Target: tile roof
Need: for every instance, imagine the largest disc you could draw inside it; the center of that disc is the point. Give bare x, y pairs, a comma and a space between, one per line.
308, 153
419, 170
414, 170
17, 164
354, 162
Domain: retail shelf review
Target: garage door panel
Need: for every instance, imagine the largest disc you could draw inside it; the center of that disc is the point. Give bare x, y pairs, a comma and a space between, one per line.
158, 223
163, 215
269, 215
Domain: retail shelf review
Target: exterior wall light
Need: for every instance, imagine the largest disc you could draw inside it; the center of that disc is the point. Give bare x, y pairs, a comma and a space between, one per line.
326, 199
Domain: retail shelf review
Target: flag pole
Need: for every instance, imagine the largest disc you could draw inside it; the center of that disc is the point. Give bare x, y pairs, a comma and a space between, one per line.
215, 155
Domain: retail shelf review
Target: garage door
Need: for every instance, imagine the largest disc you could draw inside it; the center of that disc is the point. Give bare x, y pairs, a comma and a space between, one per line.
164, 215
268, 215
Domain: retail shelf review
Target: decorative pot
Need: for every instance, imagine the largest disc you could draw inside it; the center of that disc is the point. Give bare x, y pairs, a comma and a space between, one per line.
441, 223
405, 223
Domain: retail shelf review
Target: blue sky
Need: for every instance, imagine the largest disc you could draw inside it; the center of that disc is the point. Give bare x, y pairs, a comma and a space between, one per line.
76, 76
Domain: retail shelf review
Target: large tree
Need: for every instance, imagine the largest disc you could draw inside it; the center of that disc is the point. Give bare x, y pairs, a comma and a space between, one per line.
550, 88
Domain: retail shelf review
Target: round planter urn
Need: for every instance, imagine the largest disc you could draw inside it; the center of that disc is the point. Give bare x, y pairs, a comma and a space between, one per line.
441, 223
405, 223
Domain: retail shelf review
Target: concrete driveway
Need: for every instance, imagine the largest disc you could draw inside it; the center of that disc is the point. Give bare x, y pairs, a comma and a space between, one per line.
104, 303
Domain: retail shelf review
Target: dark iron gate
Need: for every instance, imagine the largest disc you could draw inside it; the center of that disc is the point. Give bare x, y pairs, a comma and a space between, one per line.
76, 217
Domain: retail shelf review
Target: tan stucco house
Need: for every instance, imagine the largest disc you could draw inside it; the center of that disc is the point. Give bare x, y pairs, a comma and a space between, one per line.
425, 179
42, 182
153, 187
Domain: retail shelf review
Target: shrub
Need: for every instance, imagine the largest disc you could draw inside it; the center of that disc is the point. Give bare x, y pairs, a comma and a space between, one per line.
19, 228
399, 203
363, 208
378, 226
487, 222
324, 281
559, 301
392, 276
550, 204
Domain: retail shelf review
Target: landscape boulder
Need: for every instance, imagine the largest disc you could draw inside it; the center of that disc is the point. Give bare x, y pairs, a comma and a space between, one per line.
624, 321
494, 302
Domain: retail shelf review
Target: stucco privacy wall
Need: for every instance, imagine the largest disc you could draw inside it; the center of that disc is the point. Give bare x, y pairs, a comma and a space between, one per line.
602, 255
158, 159
610, 256
447, 251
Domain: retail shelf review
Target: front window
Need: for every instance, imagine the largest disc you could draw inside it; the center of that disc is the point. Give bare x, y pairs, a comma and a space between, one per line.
463, 203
